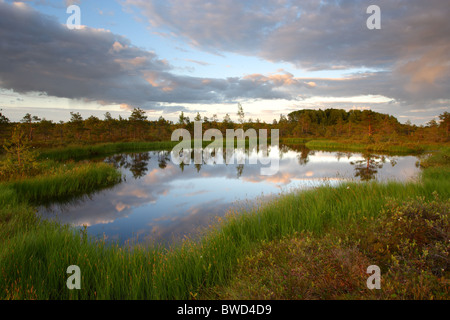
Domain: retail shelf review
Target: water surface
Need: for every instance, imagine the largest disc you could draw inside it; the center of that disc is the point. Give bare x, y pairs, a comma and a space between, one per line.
162, 202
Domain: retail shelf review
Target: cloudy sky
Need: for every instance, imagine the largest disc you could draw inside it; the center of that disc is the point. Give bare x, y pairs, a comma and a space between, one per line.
272, 56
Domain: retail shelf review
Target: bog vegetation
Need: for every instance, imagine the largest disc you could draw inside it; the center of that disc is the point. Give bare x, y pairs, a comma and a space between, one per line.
304, 245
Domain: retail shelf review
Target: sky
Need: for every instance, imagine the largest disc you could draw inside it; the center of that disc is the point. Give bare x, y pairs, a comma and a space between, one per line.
271, 56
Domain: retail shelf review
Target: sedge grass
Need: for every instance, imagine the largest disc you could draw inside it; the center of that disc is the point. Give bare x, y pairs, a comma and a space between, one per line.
78, 180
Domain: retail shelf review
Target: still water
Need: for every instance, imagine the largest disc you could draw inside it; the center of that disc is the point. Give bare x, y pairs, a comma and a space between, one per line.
160, 202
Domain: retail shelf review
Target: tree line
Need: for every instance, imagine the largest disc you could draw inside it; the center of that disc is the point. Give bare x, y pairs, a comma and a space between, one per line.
353, 125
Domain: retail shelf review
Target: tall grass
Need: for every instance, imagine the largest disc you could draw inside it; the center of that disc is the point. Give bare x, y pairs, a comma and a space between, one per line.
78, 180
402, 148
33, 264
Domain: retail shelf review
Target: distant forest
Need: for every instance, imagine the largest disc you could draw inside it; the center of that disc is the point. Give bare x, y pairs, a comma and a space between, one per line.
354, 125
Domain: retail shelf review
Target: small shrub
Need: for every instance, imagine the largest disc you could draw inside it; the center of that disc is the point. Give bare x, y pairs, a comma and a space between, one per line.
20, 158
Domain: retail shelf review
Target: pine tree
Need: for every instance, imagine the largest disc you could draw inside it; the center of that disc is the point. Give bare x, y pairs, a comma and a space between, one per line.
3, 119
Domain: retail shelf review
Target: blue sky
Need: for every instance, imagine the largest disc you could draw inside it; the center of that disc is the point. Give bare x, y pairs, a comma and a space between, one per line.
272, 56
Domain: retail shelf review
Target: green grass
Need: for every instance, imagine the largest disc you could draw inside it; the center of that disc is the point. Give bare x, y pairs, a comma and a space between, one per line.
294, 140
65, 181
91, 151
81, 152
401, 148
34, 255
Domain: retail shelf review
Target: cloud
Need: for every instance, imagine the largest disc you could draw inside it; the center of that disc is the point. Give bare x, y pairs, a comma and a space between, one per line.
408, 59
201, 63
72, 2
310, 33
429, 73
38, 54
60, 4
218, 25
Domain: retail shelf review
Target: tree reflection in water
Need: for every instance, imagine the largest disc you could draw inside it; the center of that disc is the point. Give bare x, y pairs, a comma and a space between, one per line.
367, 168
137, 163
303, 156
239, 169
163, 158
118, 160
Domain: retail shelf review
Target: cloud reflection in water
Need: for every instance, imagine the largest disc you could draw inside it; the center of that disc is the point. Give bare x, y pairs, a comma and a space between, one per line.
159, 201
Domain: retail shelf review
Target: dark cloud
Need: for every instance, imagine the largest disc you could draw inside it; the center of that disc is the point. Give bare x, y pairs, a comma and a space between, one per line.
38, 54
